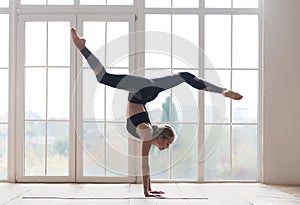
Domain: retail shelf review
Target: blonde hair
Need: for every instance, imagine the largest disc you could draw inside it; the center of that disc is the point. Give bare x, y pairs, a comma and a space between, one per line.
166, 131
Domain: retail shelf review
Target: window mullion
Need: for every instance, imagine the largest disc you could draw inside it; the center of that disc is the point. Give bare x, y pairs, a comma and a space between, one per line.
201, 4
201, 115
12, 92
231, 66
171, 101
105, 104
47, 83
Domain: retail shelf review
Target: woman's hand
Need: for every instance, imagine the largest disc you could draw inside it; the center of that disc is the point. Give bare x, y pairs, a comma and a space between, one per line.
156, 192
149, 194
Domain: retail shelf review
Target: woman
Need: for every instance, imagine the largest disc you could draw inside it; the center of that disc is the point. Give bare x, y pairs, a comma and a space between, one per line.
143, 90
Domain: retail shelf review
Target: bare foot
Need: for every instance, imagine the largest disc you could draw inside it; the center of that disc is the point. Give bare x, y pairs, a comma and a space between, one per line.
78, 41
232, 95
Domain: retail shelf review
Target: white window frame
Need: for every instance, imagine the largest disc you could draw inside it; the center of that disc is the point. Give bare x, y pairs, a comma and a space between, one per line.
20, 112
35, 13
201, 12
17, 11
131, 147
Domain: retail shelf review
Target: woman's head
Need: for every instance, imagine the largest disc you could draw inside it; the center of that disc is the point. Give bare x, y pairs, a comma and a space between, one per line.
163, 135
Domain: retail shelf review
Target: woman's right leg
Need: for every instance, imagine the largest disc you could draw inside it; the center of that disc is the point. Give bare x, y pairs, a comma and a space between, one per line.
130, 83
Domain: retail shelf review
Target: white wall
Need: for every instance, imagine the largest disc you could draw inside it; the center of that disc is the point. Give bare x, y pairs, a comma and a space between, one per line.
281, 144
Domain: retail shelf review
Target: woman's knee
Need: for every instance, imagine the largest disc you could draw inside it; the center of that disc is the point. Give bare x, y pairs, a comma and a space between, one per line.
186, 75
101, 76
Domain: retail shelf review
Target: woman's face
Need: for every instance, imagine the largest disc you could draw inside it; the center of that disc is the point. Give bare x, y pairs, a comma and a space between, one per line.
163, 143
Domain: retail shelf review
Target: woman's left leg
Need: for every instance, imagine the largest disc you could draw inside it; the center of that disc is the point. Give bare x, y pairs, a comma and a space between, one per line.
176, 79
198, 83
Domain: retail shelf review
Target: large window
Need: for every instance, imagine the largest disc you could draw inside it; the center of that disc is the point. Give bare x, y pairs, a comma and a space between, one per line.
232, 49
164, 55
45, 138
225, 137
68, 127
104, 139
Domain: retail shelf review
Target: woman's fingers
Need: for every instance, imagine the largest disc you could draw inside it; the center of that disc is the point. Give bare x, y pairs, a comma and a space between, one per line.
157, 192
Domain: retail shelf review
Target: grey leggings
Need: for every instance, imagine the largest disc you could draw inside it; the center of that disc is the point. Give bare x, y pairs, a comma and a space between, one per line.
142, 90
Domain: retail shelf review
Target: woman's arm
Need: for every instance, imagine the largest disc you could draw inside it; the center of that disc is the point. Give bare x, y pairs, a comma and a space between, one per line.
146, 145
149, 184
145, 132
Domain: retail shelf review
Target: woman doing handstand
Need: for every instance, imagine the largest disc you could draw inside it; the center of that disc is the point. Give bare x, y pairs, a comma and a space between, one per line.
143, 90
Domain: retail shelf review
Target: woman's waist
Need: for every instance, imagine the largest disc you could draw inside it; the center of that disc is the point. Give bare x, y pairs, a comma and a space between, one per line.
134, 108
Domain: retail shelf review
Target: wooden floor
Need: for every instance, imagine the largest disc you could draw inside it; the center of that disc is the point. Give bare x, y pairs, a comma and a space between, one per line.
131, 194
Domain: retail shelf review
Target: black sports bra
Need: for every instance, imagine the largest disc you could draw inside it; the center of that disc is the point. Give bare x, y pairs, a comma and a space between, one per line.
135, 120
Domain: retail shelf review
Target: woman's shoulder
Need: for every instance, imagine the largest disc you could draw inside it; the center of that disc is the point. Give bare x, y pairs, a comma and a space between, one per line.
145, 131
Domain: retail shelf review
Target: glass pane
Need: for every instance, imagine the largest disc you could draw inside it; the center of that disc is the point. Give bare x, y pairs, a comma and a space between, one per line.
246, 83
4, 95
5, 4
218, 41
184, 101
3, 151
58, 149
59, 44
244, 152
158, 22
116, 100
117, 52
119, 2
92, 2
185, 41
60, 2
35, 43
4, 40
184, 152
158, 43
185, 3
158, 3
94, 33
245, 3
218, 3
33, 2
116, 149
174, 3
106, 2
245, 41
217, 152
217, 108
35, 93
93, 149
93, 97
156, 60
58, 93
159, 108
34, 148
48, 2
